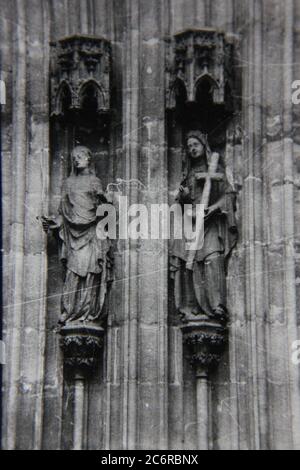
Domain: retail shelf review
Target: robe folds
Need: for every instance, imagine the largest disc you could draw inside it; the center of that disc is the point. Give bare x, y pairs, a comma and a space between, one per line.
203, 289
86, 258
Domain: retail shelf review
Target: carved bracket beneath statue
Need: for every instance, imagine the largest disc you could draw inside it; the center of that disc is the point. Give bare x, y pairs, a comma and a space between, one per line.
206, 340
81, 346
197, 58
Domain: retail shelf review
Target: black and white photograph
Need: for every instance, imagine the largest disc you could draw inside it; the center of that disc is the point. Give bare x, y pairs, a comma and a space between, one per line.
150, 227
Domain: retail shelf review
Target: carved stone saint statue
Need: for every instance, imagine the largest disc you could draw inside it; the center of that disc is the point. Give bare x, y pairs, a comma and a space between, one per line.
200, 285
86, 258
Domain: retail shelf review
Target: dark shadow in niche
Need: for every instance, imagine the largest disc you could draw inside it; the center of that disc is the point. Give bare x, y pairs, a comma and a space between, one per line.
203, 113
86, 125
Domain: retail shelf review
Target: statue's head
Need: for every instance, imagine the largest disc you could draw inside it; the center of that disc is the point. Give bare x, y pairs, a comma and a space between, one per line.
197, 144
81, 158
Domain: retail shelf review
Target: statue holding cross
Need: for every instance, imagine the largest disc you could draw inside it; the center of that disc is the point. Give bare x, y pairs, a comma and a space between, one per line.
200, 276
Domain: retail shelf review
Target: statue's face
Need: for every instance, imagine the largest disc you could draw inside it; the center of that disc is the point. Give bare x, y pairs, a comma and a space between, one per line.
195, 148
81, 159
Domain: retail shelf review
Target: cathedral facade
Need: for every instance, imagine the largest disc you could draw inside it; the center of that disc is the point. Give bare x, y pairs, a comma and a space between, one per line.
140, 342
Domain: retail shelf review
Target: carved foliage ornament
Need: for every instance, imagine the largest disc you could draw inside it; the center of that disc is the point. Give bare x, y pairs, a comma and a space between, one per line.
82, 347
206, 341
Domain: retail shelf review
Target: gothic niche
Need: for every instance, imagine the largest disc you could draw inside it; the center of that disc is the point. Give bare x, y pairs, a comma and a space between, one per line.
80, 171
200, 110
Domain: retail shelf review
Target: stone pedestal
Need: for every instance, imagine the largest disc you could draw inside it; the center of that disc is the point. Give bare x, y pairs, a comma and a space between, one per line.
206, 340
81, 347
145, 397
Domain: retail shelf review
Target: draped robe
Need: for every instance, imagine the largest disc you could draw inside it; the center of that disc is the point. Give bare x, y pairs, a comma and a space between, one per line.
86, 258
202, 290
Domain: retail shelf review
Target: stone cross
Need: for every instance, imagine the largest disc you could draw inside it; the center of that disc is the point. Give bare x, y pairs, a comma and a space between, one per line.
209, 177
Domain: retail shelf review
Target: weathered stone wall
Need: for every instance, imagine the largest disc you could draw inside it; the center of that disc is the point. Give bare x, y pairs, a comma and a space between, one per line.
144, 394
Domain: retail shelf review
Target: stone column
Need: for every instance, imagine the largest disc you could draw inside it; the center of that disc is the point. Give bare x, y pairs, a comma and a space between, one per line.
202, 408
205, 339
81, 347
14, 312
79, 394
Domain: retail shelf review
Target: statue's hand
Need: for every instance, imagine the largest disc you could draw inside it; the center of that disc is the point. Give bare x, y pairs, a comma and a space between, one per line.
183, 192
49, 224
211, 210
215, 155
200, 176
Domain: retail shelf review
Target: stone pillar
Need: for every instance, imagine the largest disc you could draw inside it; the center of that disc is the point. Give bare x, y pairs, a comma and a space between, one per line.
79, 413
205, 339
82, 347
202, 409
143, 326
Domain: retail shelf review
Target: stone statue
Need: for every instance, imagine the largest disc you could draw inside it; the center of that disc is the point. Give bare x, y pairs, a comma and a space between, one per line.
86, 258
200, 277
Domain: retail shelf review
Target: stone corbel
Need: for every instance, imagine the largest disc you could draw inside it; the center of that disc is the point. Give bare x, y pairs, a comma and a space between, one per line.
206, 339
81, 346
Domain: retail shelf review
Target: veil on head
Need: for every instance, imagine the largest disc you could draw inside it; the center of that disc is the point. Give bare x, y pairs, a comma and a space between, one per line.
203, 138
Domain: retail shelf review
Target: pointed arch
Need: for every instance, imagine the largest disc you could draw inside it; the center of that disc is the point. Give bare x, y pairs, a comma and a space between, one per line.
63, 100
206, 84
92, 94
177, 93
